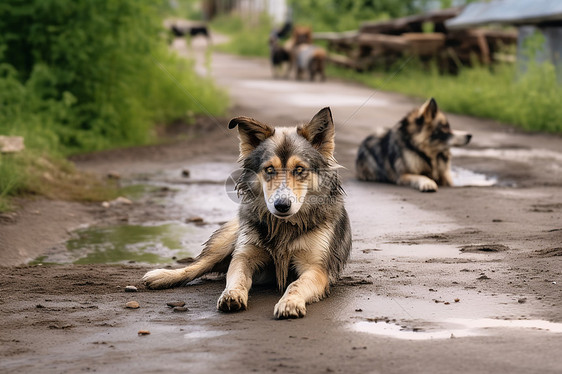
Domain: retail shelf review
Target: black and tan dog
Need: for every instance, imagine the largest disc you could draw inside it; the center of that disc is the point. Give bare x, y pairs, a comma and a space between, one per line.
291, 223
416, 152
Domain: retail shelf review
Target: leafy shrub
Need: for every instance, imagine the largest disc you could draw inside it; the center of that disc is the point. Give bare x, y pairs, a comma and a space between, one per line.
87, 75
80, 75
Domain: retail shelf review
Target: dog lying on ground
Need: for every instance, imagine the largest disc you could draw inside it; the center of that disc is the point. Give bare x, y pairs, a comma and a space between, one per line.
416, 152
291, 223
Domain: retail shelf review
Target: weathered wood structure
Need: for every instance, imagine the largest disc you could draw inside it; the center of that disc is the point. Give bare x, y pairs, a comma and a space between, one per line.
531, 17
383, 43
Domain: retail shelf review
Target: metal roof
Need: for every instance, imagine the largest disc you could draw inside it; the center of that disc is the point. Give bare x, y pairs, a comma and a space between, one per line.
507, 12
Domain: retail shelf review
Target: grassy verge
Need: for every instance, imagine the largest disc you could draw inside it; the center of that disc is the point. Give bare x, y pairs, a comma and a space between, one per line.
247, 38
531, 100
29, 174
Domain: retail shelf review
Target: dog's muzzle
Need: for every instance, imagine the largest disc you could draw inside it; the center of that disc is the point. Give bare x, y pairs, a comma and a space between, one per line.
283, 202
460, 138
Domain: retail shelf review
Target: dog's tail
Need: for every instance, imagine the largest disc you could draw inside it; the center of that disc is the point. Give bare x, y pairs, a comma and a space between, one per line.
214, 258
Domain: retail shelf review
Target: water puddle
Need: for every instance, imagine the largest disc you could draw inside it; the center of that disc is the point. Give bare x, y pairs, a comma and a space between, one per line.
147, 243
454, 328
468, 178
204, 334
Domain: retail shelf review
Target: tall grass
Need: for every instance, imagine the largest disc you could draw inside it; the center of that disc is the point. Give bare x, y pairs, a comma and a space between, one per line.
246, 37
530, 100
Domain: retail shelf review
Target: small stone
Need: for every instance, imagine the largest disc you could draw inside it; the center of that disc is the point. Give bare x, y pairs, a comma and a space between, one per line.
122, 200
132, 305
196, 220
113, 175
105, 204
173, 304
185, 260
522, 300
180, 309
457, 300
185, 173
143, 332
131, 289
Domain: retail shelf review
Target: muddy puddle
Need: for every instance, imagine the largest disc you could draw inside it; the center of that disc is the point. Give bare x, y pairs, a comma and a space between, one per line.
146, 243
183, 212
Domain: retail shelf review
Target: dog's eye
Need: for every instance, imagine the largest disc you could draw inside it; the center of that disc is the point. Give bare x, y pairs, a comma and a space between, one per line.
298, 170
270, 170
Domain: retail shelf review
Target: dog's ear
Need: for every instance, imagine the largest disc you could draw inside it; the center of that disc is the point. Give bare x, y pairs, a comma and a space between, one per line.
428, 111
251, 133
320, 132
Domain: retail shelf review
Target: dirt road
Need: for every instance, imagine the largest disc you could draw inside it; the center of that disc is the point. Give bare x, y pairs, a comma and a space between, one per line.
467, 279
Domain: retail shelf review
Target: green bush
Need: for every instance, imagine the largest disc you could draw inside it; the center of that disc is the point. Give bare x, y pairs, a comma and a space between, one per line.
87, 75
80, 75
246, 37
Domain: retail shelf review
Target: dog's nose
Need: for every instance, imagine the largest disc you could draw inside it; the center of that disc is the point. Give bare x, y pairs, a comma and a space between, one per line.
468, 137
282, 205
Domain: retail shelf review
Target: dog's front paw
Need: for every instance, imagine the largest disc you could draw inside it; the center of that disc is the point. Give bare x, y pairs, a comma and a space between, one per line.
233, 301
290, 308
160, 278
427, 185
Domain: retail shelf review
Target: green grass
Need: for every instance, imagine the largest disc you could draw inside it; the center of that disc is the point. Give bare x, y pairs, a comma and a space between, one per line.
31, 174
531, 101
247, 38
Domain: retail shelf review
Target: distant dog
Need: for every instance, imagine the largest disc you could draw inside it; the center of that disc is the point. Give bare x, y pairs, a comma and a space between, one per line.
312, 59
280, 58
291, 224
304, 56
415, 153
190, 28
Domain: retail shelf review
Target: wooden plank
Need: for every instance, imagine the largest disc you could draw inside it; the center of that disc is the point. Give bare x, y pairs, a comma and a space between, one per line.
410, 23
391, 42
425, 44
345, 36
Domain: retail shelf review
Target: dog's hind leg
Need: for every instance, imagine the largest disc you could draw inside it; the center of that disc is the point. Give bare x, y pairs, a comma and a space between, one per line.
419, 182
215, 257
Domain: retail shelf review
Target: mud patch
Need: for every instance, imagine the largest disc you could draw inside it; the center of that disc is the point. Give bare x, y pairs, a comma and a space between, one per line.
484, 248
546, 208
549, 252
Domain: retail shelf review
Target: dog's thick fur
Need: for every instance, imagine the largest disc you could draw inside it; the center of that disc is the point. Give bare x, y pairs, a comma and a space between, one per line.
291, 223
416, 152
